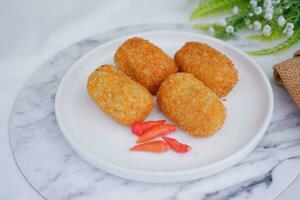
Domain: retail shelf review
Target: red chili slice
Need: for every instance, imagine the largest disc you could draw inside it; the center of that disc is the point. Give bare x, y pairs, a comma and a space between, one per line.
139, 128
157, 131
153, 146
177, 146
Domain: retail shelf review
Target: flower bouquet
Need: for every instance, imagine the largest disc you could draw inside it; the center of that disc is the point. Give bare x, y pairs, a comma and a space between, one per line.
271, 19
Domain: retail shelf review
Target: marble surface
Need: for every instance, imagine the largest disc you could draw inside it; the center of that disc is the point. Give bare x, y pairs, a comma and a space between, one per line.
56, 172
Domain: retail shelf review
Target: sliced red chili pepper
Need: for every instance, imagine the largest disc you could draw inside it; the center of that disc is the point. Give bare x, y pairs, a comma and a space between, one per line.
156, 131
177, 146
139, 128
153, 146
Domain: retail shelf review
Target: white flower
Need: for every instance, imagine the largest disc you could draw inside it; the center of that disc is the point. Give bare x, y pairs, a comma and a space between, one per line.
268, 16
253, 3
250, 14
285, 1
281, 21
211, 30
235, 10
229, 29
258, 10
250, 26
289, 26
289, 30
223, 22
280, 10
290, 33
269, 10
257, 25
284, 30
275, 2
247, 21
267, 31
267, 3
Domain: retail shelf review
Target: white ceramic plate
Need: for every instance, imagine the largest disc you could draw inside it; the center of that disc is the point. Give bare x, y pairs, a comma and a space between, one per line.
105, 143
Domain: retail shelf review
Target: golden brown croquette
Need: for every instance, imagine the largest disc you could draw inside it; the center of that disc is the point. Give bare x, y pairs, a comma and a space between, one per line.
189, 103
207, 64
144, 62
125, 100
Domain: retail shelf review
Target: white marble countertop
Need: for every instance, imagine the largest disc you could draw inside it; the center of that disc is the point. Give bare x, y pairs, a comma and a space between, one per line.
32, 32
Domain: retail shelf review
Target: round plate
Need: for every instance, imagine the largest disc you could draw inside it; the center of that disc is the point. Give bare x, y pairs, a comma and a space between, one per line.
105, 143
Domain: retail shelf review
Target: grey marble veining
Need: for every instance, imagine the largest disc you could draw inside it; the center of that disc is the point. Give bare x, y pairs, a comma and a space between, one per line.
58, 173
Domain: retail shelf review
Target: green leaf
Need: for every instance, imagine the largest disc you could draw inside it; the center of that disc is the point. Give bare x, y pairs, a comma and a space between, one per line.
280, 47
220, 31
211, 7
203, 27
264, 38
237, 21
222, 34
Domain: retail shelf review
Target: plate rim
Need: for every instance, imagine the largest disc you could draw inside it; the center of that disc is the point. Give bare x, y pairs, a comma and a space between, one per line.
215, 167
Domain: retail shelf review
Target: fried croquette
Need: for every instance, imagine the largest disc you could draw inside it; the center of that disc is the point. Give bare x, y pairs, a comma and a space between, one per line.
189, 103
207, 64
125, 100
144, 62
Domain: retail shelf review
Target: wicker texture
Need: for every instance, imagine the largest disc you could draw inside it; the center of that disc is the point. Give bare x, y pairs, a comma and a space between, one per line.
287, 73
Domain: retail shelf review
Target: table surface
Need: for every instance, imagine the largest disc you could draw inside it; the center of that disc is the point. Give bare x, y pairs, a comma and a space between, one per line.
30, 33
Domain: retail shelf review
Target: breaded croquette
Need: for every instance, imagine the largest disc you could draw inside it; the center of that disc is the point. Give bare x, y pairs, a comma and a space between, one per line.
210, 66
189, 103
125, 100
144, 62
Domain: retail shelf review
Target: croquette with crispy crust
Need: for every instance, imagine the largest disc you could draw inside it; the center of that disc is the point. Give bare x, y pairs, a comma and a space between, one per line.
210, 66
144, 62
125, 100
190, 104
